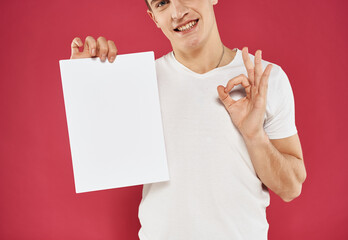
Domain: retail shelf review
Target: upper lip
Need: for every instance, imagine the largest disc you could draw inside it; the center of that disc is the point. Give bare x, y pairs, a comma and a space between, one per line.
183, 24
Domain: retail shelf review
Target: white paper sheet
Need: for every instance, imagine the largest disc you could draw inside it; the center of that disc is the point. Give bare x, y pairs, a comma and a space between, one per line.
114, 121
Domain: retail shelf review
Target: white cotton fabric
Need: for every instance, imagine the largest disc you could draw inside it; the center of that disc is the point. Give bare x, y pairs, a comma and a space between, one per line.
213, 192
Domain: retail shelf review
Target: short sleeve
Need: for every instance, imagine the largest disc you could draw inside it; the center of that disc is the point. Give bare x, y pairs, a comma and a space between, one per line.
280, 111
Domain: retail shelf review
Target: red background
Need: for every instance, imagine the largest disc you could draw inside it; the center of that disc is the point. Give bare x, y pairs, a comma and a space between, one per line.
38, 201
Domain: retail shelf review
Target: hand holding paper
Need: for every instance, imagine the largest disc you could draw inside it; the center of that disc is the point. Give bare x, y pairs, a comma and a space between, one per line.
92, 48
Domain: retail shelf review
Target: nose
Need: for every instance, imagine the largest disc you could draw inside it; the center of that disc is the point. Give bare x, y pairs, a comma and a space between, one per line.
179, 10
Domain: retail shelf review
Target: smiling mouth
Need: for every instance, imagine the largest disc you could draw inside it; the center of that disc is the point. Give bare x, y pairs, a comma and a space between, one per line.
186, 27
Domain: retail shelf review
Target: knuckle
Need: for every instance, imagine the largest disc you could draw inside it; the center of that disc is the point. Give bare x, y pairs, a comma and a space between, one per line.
111, 42
250, 72
224, 99
103, 50
112, 52
90, 39
76, 39
264, 83
112, 45
101, 38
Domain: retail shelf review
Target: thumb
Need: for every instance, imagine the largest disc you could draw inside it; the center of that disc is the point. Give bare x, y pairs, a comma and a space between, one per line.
75, 45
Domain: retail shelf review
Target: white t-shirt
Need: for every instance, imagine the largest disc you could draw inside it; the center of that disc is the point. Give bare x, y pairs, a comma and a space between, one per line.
213, 192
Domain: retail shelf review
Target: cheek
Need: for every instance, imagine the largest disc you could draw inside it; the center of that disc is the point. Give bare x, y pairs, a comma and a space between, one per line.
166, 28
162, 22
166, 33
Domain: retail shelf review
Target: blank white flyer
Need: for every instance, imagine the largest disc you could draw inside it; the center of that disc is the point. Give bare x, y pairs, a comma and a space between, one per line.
114, 121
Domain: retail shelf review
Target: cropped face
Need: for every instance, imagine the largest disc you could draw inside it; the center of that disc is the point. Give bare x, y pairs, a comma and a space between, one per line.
186, 23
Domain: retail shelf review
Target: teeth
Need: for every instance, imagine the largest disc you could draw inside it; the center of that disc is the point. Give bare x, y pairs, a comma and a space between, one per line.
187, 26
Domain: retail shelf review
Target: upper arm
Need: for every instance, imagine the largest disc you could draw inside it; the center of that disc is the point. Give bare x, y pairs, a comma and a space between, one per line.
280, 110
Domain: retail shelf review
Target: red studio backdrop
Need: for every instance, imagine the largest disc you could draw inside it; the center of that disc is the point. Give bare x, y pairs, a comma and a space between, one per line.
308, 39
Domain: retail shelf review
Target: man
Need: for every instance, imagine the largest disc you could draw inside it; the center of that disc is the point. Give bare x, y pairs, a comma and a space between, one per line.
225, 147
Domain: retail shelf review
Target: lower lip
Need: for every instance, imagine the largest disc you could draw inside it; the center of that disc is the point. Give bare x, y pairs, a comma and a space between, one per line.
188, 31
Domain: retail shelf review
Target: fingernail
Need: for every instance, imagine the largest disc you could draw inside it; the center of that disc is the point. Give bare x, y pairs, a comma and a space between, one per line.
112, 59
93, 51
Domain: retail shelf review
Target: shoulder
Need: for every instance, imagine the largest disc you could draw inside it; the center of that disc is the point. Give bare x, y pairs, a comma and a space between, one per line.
278, 81
164, 64
279, 93
164, 59
276, 72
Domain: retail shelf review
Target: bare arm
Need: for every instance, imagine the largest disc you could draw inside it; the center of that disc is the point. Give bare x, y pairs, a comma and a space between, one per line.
279, 164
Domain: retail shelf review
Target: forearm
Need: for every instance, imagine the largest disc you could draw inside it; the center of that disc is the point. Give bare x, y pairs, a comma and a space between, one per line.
282, 173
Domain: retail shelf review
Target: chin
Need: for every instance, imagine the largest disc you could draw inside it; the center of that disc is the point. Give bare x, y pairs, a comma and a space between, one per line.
195, 42
189, 43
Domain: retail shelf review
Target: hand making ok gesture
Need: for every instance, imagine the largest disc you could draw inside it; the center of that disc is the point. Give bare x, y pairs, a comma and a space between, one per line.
248, 113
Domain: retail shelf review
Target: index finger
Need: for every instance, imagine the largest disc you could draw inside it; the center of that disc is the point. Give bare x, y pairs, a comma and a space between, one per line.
248, 65
90, 46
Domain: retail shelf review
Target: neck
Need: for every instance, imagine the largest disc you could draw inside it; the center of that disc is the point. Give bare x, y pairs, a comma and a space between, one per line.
207, 56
